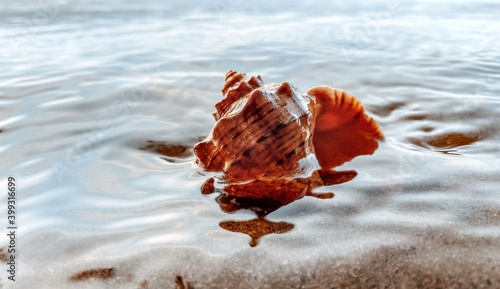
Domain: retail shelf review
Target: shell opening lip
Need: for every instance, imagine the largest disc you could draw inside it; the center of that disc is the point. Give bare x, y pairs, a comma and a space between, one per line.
342, 129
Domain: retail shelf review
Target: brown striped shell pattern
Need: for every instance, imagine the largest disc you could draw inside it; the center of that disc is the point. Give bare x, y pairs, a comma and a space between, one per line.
272, 142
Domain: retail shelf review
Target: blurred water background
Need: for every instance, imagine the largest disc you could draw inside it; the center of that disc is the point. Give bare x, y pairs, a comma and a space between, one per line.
102, 101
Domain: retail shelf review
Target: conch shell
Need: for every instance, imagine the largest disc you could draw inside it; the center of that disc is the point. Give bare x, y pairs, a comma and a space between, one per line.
270, 141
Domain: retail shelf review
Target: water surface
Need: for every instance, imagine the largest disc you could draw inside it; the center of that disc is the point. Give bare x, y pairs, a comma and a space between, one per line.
102, 101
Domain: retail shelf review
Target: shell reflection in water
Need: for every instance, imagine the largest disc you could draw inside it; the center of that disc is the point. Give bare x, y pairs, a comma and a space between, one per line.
272, 144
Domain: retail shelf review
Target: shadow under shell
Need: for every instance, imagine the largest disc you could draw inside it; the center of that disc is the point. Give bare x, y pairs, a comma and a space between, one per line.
265, 197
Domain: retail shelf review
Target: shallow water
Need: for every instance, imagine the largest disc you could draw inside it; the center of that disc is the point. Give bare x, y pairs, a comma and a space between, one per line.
101, 103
